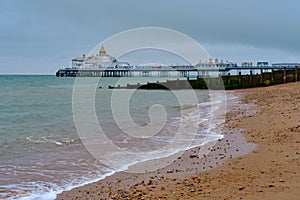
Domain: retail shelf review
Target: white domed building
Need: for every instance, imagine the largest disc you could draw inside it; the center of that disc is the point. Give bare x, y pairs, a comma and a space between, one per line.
100, 60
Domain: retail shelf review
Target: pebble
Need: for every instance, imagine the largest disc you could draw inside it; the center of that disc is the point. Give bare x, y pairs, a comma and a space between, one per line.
241, 188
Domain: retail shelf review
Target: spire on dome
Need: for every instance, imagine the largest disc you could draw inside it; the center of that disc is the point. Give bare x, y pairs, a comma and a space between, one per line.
102, 50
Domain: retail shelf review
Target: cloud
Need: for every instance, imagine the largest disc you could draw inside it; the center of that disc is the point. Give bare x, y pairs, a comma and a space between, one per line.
34, 28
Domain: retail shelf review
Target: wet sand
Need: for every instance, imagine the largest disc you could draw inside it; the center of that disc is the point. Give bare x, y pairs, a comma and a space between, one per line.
235, 168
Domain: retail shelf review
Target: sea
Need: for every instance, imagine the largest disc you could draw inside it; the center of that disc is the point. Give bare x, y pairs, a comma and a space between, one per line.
42, 152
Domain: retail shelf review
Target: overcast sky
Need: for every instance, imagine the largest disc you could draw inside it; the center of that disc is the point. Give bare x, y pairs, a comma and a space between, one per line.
38, 37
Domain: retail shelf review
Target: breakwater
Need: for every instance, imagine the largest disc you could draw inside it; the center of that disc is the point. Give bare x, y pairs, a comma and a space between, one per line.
228, 81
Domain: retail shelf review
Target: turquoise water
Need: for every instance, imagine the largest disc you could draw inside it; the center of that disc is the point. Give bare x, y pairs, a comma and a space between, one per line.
41, 151
35, 106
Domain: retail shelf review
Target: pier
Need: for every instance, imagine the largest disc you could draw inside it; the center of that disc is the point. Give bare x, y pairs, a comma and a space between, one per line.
175, 71
212, 75
104, 65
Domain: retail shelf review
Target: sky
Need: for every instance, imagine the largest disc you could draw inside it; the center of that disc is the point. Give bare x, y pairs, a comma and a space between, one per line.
39, 37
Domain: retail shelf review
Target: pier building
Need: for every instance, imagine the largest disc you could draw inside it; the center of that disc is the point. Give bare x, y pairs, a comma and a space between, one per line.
98, 61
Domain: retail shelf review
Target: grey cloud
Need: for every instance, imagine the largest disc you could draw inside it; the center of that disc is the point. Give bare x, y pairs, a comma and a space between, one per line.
31, 28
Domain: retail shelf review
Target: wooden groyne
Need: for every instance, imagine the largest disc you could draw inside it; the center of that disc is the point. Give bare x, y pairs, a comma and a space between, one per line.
262, 79
272, 77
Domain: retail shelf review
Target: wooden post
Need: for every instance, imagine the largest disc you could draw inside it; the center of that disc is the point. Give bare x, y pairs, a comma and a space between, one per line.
220, 80
284, 75
296, 73
261, 75
228, 79
208, 81
251, 79
240, 79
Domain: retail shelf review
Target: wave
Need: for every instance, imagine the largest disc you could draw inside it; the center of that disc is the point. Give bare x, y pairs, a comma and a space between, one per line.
57, 141
48, 190
42, 190
184, 107
53, 140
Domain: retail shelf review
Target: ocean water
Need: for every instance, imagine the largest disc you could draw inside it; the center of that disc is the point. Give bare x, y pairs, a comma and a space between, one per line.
42, 153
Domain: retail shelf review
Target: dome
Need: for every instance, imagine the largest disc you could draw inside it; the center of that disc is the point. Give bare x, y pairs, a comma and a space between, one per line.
102, 50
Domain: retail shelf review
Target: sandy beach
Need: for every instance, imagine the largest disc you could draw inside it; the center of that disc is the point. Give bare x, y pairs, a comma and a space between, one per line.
259, 157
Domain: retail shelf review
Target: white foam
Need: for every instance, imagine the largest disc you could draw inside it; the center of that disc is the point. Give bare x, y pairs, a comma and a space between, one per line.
41, 191
51, 191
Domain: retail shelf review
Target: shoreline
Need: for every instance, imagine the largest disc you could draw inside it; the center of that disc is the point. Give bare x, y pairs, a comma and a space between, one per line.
192, 165
187, 165
271, 171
